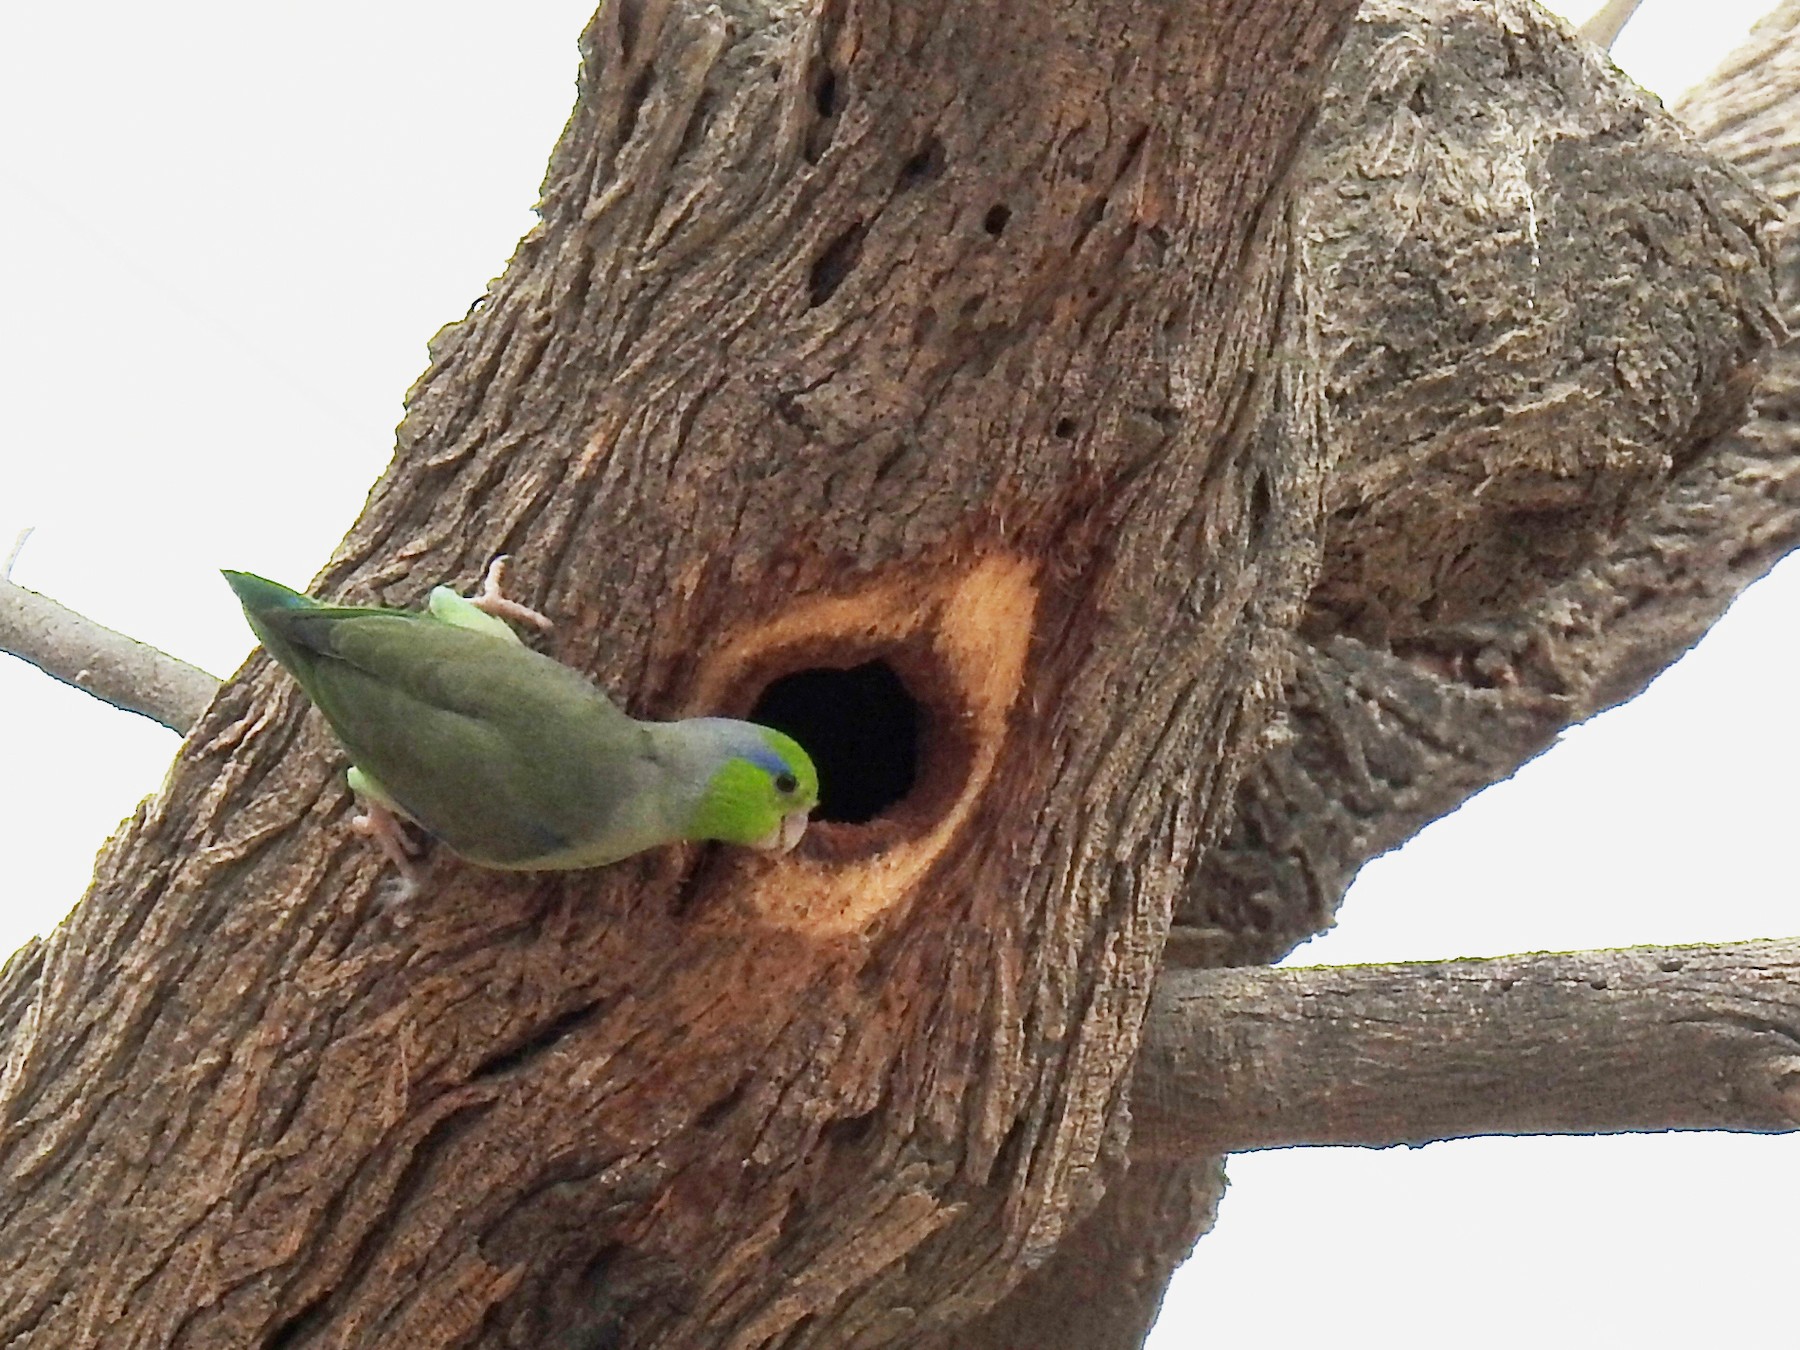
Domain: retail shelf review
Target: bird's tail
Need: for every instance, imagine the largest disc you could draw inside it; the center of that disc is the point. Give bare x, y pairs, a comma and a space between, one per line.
272, 610
259, 595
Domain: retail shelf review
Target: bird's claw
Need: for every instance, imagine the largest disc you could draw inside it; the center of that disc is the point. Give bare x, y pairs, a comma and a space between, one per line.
378, 823
492, 599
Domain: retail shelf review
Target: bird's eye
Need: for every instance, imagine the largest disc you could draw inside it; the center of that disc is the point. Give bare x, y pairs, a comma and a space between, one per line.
786, 783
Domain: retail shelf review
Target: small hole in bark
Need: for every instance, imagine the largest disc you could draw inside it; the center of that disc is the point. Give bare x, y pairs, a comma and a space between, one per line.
634, 102
862, 728
1133, 148
503, 1061
1064, 428
1261, 502
849, 1132
717, 1110
825, 104
924, 166
1007, 1156
299, 1325
994, 222
600, 1264
835, 263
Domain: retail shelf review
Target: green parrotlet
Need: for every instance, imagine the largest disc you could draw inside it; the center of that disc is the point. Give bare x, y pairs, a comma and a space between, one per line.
509, 758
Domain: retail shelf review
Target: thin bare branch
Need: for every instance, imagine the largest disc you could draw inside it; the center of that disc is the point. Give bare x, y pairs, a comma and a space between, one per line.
119, 670
12, 556
1646, 1038
1603, 29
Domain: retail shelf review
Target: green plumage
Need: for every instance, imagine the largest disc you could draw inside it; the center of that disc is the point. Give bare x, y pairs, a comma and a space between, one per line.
510, 758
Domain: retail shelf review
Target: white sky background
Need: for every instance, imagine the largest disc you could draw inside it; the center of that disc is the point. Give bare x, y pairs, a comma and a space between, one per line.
229, 231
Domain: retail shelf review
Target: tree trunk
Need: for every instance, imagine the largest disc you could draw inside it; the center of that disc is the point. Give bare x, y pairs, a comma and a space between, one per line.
1565, 185
1001, 375
924, 337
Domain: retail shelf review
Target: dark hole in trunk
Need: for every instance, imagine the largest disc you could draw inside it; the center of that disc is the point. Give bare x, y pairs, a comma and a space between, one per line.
862, 729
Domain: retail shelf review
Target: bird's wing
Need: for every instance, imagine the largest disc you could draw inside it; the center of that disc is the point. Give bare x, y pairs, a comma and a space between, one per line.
507, 756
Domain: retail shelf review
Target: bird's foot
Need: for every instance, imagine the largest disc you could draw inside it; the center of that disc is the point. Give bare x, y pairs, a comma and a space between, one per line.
376, 822
491, 599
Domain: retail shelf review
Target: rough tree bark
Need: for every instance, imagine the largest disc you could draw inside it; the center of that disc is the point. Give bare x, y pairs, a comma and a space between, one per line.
1502, 250
933, 335
1700, 1037
1542, 305
1032, 366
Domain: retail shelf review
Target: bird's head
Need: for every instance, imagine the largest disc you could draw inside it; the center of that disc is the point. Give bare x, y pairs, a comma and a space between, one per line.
761, 791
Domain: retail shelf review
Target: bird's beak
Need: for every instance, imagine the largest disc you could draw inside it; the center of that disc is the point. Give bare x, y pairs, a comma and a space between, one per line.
793, 826
784, 836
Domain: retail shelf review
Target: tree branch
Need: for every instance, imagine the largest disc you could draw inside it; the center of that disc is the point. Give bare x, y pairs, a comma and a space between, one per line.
1390, 724
1604, 27
119, 670
1646, 1038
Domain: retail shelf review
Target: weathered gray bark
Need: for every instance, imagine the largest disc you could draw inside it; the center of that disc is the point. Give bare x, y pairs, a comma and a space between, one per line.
931, 333
1510, 304
1531, 360
1651, 1038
